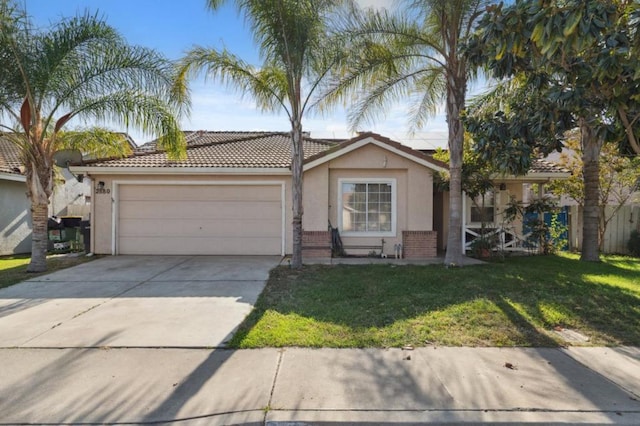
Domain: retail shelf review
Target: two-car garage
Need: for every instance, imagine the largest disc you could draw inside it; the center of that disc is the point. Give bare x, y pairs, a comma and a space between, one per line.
199, 218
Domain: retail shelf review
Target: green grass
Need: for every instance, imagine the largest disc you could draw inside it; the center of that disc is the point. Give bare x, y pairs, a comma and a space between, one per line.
13, 269
514, 303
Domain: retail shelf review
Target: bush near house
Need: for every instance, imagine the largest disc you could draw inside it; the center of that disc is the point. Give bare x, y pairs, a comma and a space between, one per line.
634, 244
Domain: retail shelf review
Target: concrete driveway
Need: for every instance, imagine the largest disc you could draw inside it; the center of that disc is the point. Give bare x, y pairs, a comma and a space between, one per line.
134, 301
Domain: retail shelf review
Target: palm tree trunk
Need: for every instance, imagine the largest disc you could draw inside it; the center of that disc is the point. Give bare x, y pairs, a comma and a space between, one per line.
39, 173
455, 103
39, 237
297, 157
591, 146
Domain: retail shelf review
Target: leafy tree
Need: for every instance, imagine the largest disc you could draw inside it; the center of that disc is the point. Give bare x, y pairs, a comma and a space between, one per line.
78, 68
619, 179
414, 54
477, 174
292, 36
575, 64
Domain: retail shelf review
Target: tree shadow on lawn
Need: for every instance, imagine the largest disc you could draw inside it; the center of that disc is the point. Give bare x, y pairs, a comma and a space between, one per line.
518, 302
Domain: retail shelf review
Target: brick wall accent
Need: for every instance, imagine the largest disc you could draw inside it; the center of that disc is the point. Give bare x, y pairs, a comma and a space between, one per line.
316, 243
419, 244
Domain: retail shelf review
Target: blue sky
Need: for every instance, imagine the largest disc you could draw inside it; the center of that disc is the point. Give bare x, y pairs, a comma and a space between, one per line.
173, 26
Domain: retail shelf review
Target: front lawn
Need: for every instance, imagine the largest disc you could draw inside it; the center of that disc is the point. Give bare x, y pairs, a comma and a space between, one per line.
519, 302
13, 269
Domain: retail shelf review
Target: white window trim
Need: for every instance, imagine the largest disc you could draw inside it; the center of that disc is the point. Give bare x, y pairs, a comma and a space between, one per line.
394, 215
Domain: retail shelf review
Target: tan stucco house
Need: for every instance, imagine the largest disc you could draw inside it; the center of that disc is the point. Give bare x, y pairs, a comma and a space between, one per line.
232, 195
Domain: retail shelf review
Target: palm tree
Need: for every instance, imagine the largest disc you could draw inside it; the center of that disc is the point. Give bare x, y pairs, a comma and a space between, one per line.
79, 68
415, 55
291, 35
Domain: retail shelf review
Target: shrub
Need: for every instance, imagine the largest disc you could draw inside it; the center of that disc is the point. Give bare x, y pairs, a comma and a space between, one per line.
634, 244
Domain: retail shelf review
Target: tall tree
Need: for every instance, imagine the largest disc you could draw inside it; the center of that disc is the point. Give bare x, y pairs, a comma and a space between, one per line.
619, 180
414, 54
292, 37
576, 64
78, 68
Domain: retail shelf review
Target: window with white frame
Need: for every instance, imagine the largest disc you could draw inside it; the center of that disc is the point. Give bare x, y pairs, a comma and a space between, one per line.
482, 208
367, 207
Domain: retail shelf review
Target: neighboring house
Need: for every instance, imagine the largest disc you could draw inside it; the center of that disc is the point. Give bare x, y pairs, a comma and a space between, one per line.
232, 195
69, 198
15, 220
490, 212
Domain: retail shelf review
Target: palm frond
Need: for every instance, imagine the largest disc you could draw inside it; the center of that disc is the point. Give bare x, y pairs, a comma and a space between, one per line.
429, 90
80, 67
97, 142
398, 57
139, 110
372, 105
268, 86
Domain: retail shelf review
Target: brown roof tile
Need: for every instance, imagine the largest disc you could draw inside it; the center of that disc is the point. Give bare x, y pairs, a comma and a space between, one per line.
538, 165
222, 150
10, 158
544, 166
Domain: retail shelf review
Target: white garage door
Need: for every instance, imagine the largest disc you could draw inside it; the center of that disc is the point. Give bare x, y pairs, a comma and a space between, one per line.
200, 219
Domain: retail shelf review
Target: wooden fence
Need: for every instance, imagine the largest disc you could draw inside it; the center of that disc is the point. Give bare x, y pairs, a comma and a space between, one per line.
618, 231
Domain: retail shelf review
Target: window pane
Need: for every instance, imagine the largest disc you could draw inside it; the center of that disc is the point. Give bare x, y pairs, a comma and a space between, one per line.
348, 188
481, 215
366, 207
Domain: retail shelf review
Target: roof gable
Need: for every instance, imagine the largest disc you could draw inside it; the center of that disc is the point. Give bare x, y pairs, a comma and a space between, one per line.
367, 138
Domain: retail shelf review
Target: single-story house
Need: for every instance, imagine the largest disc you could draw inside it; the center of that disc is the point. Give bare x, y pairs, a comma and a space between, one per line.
232, 195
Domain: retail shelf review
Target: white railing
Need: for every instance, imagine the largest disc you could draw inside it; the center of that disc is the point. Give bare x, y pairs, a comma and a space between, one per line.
504, 237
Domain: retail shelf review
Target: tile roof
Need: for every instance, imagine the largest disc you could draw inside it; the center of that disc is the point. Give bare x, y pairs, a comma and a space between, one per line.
222, 150
544, 166
538, 165
10, 159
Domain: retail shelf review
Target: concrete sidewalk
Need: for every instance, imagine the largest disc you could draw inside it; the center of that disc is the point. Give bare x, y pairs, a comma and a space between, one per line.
313, 386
